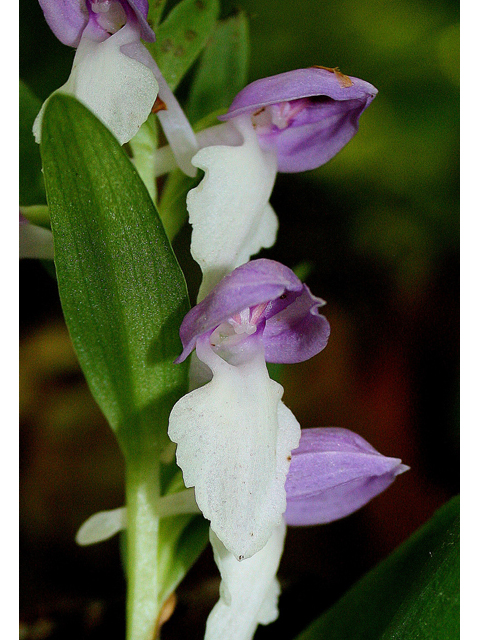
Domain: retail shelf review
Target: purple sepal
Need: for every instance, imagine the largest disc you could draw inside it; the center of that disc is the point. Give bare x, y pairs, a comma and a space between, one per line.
327, 117
66, 18
333, 473
250, 284
140, 8
293, 85
289, 325
298, 332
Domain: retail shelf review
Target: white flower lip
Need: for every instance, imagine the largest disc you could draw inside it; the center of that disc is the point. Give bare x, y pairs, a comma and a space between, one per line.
234, 438
229, 210
248, 592
119, 90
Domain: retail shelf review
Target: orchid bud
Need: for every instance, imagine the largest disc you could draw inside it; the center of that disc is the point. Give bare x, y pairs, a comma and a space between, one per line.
306, 115
333, 473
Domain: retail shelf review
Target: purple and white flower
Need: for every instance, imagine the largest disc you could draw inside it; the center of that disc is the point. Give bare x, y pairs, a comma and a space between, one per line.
291, 122
234, 435
306, 116
333, 473
113, 74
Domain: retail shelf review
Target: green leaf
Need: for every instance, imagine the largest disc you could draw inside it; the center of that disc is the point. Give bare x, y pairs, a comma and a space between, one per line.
223, 68
37, 214
173, 204
122, 290
155, 11
182, 36
32, 189
181, 540
412, 595
143, 146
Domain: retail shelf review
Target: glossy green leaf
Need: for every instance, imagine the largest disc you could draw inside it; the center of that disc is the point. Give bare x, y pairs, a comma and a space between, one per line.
223, 68
182, 36
412, 595
32, 189
122, 291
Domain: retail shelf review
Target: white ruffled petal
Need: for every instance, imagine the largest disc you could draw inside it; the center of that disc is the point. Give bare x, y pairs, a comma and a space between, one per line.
35, 242
234, 438
228, 210
262, 237
248, 592
119, 90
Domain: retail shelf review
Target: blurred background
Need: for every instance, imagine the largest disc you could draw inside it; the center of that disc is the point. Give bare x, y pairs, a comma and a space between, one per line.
377, 228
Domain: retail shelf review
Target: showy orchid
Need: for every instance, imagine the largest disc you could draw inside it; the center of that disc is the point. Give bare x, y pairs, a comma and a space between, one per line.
113, 74
291, 122
234, 434
306, 116
333, 473
245, 469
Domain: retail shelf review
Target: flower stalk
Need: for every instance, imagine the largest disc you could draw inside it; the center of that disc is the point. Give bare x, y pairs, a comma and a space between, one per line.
143, 584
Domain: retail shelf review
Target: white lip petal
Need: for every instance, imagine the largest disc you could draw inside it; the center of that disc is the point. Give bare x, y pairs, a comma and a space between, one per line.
248, 592
234, 438
228, 210
220, 134
119, 90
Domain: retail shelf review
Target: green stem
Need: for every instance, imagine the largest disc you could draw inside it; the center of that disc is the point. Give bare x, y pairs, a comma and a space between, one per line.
143, 490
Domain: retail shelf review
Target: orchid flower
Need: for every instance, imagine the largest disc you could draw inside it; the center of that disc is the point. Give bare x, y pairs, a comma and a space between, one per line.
113, 74
333, 473
291, 122
234, 434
